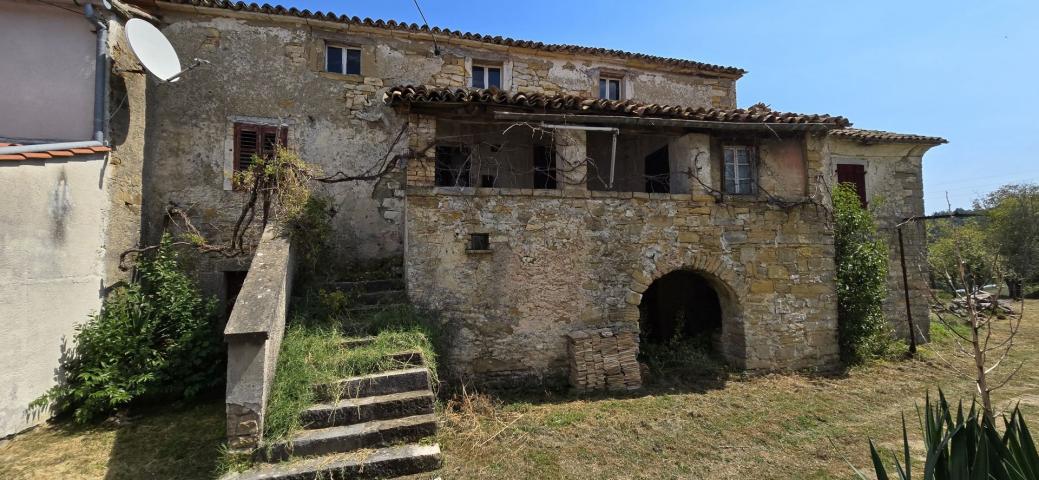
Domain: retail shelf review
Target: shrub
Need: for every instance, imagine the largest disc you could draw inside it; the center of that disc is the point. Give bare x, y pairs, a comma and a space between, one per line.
861, 279
157, 337
966, 447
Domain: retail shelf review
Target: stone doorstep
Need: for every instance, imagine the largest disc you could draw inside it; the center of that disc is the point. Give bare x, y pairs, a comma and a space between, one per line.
382, 383
357, 410
376, 433
380, 463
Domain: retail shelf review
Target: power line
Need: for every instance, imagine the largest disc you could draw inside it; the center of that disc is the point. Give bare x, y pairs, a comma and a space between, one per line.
436, 49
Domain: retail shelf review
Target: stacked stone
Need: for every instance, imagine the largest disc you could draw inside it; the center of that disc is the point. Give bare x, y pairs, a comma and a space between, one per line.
604, 359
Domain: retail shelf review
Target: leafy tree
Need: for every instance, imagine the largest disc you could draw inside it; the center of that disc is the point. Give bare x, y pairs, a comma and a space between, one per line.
974, 246
861, 259
1013, 226
157, 337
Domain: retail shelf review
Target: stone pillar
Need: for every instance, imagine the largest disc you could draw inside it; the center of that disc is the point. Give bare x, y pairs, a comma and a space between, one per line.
690, 155
421, 142
571, 159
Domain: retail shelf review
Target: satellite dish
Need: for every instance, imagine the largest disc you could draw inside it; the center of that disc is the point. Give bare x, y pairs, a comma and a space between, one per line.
153, 50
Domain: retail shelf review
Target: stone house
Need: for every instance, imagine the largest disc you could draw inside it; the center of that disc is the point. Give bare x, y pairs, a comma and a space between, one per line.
556, 204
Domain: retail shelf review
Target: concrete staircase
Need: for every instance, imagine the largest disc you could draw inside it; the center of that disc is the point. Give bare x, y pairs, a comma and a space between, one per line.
372, 426
372, 295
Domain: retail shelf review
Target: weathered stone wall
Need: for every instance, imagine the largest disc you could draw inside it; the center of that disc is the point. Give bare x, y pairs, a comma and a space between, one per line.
269, 69
571, 260
125, 170
894, 190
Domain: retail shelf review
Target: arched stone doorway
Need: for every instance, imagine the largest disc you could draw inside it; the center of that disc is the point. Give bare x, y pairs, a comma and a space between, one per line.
690, 308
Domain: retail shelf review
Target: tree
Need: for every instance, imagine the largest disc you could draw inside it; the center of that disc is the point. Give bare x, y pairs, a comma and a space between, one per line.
1013, 225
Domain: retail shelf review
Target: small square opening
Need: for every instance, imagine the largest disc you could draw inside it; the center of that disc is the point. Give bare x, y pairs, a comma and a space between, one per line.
480, 242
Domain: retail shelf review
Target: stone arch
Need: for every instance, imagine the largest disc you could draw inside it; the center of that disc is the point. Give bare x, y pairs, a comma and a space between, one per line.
726, 283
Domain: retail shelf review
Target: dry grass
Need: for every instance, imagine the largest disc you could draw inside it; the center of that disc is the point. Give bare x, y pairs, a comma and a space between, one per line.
775, 426
156, 443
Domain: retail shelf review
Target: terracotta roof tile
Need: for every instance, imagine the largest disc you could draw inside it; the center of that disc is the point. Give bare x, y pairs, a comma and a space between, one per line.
409, 94
444, 32
72, 152
879, 136
60, 153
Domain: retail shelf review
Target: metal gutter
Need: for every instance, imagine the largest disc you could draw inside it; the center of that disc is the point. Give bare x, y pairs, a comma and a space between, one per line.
44, 147
661, 122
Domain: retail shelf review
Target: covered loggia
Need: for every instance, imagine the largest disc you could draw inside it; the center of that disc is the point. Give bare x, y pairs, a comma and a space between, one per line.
683, 307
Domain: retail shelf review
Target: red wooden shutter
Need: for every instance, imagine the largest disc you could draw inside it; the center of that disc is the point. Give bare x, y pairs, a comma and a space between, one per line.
855, 175
246, 144
256, 140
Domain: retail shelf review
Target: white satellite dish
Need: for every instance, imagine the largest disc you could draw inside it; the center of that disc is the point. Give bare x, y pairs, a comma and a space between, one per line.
154, 51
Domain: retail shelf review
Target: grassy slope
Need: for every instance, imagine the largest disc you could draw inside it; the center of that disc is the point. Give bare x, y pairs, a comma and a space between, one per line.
776, 426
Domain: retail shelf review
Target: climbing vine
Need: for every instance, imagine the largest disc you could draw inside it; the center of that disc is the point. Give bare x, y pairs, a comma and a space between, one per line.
861, 259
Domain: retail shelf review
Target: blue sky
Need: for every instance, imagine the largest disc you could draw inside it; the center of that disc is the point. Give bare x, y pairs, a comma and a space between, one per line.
966, 71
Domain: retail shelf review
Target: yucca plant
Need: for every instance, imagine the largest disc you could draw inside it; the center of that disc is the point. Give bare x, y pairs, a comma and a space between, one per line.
967, 447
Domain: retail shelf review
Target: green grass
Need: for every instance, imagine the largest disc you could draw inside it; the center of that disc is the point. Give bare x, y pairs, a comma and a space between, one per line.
312, 353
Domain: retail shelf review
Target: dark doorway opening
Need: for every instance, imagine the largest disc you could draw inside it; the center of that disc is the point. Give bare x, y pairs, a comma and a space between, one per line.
681, 304
233, 281
658, 172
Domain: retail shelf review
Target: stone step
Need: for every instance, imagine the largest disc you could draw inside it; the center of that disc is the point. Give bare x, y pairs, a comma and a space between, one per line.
347, 438
380, 463
363, 286
358, 342
358, 309
365, 409
382, 383
385, 297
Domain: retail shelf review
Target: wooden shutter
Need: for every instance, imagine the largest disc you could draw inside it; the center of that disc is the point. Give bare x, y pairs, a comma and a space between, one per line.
855, 175
251, 139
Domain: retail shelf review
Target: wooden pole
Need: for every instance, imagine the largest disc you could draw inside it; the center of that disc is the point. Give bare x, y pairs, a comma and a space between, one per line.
905, 288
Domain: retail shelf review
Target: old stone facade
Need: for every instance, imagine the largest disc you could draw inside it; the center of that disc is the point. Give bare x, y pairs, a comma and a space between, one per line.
564, 213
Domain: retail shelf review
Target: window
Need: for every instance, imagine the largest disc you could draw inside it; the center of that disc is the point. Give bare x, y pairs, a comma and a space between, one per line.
452, 166
658, 172
342, 60
855, 175
609, 88
544, 167
486, 77
479, 242
252, 139
738, 175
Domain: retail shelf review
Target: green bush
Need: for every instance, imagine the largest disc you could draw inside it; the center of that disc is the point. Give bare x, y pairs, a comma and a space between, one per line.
861, 279
965, 447
157, 337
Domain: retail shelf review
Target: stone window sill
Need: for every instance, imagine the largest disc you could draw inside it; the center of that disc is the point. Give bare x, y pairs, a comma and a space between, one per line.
478, 252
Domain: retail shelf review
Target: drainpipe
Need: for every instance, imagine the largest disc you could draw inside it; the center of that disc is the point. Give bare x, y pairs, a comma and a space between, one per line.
101, 72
